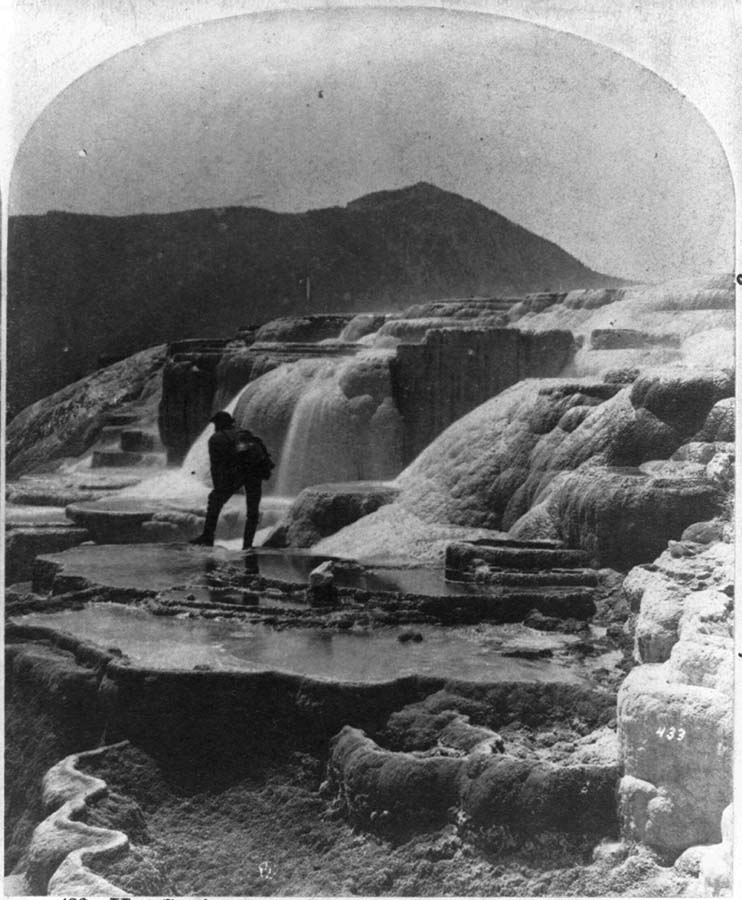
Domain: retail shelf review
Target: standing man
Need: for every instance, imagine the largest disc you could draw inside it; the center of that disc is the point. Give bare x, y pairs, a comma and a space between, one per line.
238, 459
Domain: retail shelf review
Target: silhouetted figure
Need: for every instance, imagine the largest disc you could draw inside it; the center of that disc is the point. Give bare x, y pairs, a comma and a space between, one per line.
238, 459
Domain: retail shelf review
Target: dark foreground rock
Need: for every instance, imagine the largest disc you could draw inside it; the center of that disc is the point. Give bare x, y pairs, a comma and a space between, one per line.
189, 382
62, 846
51, 710
401, 791
23, 545
275, 834
219, 790
209, 737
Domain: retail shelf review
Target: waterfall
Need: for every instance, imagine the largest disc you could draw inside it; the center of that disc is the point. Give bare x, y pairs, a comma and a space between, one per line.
321, 442
322, 419
344, 426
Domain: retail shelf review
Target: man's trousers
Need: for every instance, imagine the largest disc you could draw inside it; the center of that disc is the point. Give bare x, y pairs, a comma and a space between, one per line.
219, 496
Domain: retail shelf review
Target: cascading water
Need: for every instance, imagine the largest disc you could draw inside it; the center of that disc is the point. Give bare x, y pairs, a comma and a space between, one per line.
322, 419
344, 426
320, 443
186, 490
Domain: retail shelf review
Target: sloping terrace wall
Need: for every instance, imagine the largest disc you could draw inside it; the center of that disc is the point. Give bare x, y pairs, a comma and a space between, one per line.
188, 387
453, 371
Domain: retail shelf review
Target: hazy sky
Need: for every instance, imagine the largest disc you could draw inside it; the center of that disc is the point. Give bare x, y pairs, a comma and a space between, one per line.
295, 110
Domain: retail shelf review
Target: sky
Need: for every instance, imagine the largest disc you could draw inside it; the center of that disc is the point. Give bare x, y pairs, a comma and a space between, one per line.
298, 110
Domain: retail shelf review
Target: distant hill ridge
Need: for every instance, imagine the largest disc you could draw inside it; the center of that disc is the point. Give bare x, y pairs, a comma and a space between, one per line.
86, 286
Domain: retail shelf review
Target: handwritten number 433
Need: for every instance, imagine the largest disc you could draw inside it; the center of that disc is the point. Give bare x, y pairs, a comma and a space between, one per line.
671, 733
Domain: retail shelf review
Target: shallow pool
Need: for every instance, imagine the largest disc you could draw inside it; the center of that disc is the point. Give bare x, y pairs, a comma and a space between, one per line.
470, 653
161, 566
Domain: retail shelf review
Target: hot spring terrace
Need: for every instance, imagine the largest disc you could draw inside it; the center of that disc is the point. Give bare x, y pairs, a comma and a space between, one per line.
476, 695
208, 659
204, 658
177, 606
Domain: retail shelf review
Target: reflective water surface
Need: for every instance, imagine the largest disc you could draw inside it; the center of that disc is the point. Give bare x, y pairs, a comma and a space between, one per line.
469, 653
160, 566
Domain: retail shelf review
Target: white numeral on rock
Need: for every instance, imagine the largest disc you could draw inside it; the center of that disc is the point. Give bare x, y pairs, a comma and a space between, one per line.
670, 734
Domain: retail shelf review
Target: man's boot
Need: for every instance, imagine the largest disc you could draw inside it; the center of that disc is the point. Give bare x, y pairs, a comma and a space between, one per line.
213, 507
252, 512
251, 526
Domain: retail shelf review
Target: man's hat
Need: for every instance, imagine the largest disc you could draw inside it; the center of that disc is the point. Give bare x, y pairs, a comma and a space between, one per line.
222, 419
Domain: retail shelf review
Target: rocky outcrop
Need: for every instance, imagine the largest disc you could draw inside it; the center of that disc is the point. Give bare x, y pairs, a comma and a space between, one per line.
323, 509
51, 710
588, 509
124, 521
533, 458
70, 421
482, 786
303, 329
675, 710
412, 330
393, 534
719, 423
189, 383
482, 561
677, 799
23, 545
542, 566
715, 868
462, 308
233, 371
61, 845
658, 593
458, 755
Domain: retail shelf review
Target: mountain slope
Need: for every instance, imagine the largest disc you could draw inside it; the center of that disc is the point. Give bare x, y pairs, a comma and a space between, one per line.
84, 286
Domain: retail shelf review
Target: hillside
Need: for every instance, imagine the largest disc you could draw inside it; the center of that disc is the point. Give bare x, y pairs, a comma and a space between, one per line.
82, 287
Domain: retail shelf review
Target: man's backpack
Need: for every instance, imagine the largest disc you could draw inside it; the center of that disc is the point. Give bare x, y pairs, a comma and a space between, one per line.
255, 460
